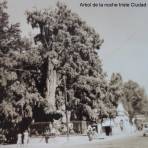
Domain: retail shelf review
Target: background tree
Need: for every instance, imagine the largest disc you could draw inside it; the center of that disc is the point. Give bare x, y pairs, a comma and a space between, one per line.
114, 93
116, 88
135, 98
145, 108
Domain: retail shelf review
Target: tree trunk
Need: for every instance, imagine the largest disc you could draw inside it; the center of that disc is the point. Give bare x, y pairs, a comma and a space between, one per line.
51, 85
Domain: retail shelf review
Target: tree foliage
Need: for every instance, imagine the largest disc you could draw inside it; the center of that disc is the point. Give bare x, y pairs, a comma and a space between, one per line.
114, 93
135, 98
18, 92
72, 47
116, 88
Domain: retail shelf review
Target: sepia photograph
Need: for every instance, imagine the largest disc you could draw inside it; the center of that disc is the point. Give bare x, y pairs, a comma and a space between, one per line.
73, 74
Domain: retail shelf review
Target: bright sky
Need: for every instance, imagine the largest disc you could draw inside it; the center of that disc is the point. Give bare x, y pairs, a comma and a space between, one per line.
124, 31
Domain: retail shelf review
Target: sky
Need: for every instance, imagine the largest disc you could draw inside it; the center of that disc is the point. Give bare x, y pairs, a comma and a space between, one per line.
124, 30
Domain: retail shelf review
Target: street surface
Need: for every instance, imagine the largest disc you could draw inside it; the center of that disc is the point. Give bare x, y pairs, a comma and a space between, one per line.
131, 142
120, 141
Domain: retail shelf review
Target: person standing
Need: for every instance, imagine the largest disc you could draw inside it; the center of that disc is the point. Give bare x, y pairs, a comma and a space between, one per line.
90, 133
22, 139
47, 136
26, 137
19, 140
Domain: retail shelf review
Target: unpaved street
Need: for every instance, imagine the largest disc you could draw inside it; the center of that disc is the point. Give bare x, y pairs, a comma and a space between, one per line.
134, 141
130, 142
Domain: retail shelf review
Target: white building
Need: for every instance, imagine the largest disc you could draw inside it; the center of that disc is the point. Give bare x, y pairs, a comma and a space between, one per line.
118, 125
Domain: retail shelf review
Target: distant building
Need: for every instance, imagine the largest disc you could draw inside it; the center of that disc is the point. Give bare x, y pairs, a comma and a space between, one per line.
122, 123
119, 124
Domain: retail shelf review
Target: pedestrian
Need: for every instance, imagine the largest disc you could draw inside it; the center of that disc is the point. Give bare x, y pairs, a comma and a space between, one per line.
19, 140
121, 125
90, 133
53, 131
22, 138
46, 136
94, 132
26, 137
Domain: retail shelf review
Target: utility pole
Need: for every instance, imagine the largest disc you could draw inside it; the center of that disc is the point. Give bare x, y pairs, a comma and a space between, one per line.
66, 111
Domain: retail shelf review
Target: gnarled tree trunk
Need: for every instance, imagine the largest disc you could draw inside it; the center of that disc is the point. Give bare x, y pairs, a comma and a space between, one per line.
51, 84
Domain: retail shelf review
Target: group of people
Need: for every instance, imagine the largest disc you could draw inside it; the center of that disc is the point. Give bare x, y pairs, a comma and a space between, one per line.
22, 138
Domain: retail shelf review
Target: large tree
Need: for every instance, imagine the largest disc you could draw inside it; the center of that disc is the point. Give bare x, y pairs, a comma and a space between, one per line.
71, 62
